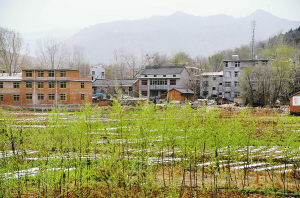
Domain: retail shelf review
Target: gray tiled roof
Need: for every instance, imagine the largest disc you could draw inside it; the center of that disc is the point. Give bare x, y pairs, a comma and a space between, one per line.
162, 70
107, 82
183, 91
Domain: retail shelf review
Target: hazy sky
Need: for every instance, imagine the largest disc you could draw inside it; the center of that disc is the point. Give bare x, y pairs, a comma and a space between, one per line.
39, 15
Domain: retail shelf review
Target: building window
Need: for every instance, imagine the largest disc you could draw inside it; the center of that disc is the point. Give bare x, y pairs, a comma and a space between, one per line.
145, 76
204, 93
51, 73
236, 94
227, 84
28, 84
40, 96
227, 74
82, 96
154, 75
226, 64
144, 93
40, 73
63, 74
51, 85
172, 82
16, 85
82, 85
264, 62
158, 81
40, 85
236, 74
102, 74
214, 78
63, 85
237, 64
164, 75
1, 85
205, 83
236, 84
16, 98
93, 72
144, 82
174, 75
29, 96
1, 98
220, 84
220, 94
130, 89
28, 73
214, 88
227, 94
63, 97
51, 96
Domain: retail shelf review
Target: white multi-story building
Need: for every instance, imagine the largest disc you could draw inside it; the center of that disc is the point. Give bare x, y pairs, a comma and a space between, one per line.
231, 70
211, 84
97, 72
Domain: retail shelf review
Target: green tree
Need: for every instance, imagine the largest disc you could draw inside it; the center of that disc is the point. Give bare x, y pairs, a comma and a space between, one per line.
181, 58
216, 62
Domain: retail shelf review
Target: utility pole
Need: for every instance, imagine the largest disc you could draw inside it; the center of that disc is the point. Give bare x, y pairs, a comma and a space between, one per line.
253, 29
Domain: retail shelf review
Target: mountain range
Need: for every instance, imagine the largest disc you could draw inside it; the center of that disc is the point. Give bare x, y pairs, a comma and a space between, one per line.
194, 35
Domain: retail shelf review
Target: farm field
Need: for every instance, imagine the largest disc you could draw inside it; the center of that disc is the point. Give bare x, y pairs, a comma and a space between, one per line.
143, 151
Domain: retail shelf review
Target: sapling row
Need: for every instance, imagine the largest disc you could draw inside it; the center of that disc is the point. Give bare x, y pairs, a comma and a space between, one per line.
145, 151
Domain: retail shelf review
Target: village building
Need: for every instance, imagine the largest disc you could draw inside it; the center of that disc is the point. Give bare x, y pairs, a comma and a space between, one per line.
181, 95
97, 72
211, 85
105, 88
156, 81
231, 71
295, 104
45, 89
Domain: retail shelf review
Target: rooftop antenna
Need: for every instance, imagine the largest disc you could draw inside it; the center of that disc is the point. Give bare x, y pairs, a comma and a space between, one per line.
253, 29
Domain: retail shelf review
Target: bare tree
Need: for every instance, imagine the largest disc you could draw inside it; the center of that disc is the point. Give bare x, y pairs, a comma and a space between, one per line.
11, 43
160, 59
73, 57
78, 56
49, 53
202, 63
119, 68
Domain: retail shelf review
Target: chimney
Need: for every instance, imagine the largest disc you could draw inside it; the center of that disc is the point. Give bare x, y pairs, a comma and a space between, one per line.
235, 57
187, 87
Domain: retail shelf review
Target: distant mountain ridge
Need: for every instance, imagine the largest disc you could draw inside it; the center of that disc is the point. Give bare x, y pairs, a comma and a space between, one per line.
194, 35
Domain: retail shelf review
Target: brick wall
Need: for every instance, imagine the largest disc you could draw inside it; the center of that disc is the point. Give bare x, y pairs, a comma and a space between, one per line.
38, 93
8, 92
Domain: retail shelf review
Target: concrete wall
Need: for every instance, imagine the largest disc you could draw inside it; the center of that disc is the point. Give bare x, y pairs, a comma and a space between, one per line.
229, 67
98, 72
211, 84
